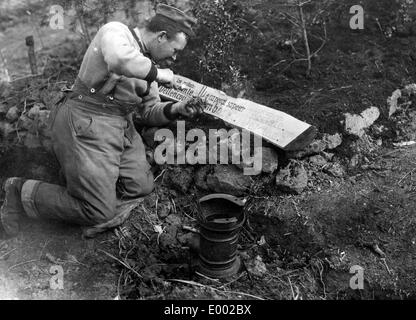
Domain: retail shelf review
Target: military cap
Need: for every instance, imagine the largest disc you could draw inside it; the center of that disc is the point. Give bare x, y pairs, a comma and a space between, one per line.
180, 19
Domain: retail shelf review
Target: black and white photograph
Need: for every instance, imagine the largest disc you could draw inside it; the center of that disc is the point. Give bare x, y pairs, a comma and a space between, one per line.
231, 153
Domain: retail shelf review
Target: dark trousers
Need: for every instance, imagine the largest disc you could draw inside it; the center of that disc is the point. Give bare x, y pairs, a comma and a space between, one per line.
103, 161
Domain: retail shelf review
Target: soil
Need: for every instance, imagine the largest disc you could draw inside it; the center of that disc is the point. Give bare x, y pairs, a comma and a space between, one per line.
292, 246
312, 239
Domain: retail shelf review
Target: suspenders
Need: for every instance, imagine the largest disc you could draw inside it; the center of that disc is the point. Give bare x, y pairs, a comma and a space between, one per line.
140, 43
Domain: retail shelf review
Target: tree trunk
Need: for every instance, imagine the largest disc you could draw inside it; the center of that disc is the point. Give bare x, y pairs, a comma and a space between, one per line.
305, 39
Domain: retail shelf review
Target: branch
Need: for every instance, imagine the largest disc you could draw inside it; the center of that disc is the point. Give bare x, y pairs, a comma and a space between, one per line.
289, 18
305, 38
291, 44
323, 43
290, 64
275, 65
301, 4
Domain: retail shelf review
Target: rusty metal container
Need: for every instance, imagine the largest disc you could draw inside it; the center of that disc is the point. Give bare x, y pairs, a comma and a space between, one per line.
220, 221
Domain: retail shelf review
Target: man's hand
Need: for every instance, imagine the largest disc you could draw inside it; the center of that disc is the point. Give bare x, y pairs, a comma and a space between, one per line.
188, 108
167, 78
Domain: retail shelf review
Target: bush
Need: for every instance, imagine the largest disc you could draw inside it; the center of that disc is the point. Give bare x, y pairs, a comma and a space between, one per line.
213, 57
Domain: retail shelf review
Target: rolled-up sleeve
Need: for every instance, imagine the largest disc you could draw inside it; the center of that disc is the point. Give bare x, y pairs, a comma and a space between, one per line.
152, 109
121, 56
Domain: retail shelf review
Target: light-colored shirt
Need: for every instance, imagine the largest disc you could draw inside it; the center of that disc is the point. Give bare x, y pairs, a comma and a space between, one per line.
114, 63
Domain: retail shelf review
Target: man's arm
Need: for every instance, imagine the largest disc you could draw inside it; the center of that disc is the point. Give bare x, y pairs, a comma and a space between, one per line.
122, 57
154, 112
157, 113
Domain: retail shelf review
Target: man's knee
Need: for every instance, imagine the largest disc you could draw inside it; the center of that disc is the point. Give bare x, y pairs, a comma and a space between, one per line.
97, 213
139, 186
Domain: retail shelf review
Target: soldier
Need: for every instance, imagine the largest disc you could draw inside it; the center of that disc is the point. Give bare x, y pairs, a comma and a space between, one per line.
102, 156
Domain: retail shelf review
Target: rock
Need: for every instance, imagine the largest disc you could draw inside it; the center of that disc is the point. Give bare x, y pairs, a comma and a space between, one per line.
315, 147
190, 240
164, 209
409, 89
356, 124
25, 123
35, 110
228, 179
270, 160
3, 108
293, 178
318, 160
13, 114
328, 142
393, 102
379, 129
174, 220
201, 177
5, 129
257, 267
168, 238
41, 122
328, 156
355, 161
49, 97
336, 170
332, 141
180, 178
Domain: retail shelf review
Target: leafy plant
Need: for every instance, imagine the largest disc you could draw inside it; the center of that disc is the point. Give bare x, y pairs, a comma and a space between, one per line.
222, 31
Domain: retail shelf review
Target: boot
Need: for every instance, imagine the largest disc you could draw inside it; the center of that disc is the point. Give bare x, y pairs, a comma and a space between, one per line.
124, 210
12, 208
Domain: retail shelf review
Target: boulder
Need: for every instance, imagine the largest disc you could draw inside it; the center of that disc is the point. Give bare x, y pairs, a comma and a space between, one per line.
270, 160
318, 160
328, 156
5, 129
356, 124
35, 110
355, 161
315, 147
292, 179
409, 89
180, 178
164, 208
393, 102
257, 267
332, 141
4, 108
25, 123
336, 170
201, 177
13, 114
42, 122
228, 179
